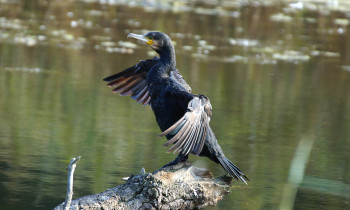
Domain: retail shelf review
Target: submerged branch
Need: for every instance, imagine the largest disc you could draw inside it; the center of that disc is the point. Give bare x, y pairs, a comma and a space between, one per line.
178, 187
297, 172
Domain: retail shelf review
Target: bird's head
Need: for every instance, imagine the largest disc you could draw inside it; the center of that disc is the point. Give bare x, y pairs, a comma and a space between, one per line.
158, 41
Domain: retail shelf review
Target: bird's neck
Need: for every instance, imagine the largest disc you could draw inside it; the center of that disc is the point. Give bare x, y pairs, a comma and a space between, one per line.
168, 57
167, 63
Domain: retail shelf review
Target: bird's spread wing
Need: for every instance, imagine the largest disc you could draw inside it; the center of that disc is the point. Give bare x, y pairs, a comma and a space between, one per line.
132, 81
190, 131
178, 77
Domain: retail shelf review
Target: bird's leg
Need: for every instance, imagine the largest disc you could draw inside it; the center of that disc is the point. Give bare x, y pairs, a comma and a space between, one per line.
179, 159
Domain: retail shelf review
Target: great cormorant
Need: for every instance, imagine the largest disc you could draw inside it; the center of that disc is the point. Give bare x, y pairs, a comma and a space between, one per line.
182, 116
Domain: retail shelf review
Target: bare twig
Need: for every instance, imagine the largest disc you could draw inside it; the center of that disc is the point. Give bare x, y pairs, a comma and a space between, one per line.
70, 168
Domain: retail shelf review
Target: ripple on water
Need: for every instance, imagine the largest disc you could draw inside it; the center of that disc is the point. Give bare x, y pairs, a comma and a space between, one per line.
291, 56
24, 69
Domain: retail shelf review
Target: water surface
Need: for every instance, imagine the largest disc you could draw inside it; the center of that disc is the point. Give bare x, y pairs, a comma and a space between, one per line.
277, 75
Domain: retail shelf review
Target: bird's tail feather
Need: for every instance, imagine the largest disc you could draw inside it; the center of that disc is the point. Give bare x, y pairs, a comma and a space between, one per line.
233, 170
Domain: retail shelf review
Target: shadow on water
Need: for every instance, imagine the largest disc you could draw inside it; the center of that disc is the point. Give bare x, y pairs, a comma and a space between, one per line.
278, 76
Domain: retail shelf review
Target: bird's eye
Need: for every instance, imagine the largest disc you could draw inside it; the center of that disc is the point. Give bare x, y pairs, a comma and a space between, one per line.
150, 37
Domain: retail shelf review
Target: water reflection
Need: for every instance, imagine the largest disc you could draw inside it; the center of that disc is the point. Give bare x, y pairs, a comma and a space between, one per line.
274, 74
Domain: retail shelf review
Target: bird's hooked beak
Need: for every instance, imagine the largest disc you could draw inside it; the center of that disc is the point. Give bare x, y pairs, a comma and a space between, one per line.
141, 37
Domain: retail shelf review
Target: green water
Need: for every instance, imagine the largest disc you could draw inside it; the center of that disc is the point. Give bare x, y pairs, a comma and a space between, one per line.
276, 76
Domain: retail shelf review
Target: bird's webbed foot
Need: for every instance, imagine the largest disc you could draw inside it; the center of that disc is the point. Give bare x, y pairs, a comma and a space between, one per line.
179, 159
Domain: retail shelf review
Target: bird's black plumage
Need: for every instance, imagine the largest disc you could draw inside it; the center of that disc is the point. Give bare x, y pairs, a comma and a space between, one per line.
182, 116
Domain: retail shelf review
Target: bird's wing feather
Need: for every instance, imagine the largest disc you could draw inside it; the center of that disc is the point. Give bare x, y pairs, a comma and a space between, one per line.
132, 81
190, 131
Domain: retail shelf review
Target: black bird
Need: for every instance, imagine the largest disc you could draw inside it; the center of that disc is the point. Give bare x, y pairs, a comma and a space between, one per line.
182, 116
